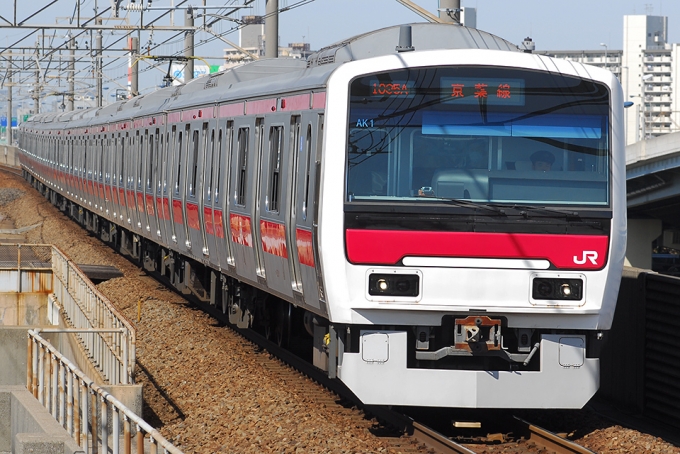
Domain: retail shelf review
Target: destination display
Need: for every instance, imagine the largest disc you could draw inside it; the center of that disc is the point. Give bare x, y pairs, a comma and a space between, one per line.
492, 91
392, 89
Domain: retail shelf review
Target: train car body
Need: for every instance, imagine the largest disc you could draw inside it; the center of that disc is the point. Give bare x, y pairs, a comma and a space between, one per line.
394, 193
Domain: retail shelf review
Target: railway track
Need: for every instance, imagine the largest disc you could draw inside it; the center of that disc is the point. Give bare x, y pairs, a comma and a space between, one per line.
404, 434
10, 169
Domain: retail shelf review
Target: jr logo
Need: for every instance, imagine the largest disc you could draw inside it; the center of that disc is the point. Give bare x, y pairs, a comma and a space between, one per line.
587, 255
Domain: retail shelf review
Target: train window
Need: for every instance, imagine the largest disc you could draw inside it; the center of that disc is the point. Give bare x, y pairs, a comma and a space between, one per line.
101, 159
160, 175
179, 159
121, 164
166, 162
209, 187
150, 163
193, 168
308, 169
447, 137
275, 148
242, 166
229, 136
139, 148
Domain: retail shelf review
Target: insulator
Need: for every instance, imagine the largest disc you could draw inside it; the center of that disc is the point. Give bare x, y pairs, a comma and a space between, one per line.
134, 7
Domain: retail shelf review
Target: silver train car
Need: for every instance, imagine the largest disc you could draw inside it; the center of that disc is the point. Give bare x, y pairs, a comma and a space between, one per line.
443, 212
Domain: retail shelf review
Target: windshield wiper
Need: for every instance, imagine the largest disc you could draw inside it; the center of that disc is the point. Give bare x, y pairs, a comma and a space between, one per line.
523, 209
471, 204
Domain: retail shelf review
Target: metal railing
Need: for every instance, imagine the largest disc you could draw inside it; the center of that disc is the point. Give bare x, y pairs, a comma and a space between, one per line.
81, 407
105, 333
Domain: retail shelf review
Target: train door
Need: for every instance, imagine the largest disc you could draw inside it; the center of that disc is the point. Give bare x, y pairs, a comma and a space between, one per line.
122, 181
240, 210
130, 165
211, 171
297, 148
225, 138
177, 212
101, 159
169, 184
159, 184
192, 192
140, 154
256, 172
108, 175
201, 175
273, 207
179, 203
304, 210
150, 159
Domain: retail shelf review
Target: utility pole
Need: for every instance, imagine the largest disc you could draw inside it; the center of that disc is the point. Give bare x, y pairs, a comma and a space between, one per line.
10, 86
71, 74
98, 63
189, 46
271, 29
36, 87
449, 11
134, 70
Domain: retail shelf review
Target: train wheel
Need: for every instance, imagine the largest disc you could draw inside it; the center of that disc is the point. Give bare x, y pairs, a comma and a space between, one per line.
283, 320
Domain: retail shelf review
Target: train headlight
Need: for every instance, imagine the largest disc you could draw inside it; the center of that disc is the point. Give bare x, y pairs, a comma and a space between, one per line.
393, 284
544, 288
565, 290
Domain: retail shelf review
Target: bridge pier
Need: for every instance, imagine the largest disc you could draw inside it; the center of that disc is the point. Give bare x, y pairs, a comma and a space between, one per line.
641, 233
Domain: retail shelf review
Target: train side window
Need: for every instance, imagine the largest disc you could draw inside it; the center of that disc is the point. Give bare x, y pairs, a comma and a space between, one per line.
275, 147
218, 163
150, 163
194, 163
179, 159
227, 140
138, 146
166, 162
242, 166
209, 186
308, 169
160, 160
121, 140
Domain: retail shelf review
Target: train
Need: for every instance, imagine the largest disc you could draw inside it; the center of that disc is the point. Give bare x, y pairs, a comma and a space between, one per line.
442, 212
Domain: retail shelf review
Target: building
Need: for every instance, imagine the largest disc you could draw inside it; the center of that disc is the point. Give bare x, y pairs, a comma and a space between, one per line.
648, 68
252, 41
650, 77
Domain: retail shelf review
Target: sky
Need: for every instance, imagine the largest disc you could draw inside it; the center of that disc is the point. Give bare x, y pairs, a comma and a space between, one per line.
552, 24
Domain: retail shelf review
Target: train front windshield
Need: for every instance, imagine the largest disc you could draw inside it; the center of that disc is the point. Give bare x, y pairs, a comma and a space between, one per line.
483, 134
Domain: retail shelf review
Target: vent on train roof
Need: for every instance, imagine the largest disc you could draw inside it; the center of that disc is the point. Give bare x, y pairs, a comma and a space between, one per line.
212, 81
177, 92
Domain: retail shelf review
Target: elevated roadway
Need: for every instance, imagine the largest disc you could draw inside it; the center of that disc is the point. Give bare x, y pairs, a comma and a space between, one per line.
653, 193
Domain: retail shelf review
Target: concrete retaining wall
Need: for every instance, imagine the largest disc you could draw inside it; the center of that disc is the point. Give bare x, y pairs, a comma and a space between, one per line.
9, 156
27, 427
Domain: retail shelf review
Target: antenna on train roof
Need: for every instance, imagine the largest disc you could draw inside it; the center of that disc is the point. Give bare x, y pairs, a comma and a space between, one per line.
405, 39
529, 45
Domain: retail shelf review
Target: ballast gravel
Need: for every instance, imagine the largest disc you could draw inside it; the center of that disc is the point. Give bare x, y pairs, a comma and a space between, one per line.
205, 388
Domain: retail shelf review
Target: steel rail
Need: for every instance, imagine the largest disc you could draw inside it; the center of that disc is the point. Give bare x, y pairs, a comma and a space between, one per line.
10, 169
439, 443
550, 440
434, 440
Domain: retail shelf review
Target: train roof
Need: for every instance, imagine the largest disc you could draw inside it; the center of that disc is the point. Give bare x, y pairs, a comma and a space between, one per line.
425, 36
265, 77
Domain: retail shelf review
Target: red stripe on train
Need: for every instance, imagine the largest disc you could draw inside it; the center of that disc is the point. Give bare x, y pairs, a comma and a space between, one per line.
192, 216
388, 247
274, 238
304, 247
